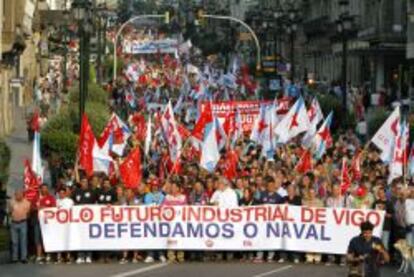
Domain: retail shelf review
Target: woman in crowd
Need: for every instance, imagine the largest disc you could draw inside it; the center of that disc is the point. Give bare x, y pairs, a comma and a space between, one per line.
130, 199
312, 201
292, 198
175, 198
247, 200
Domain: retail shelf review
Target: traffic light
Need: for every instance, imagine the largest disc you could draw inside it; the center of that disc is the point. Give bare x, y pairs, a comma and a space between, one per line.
167, 17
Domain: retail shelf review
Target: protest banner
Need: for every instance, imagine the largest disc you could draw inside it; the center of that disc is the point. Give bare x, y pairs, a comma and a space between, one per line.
248, 110
267, 227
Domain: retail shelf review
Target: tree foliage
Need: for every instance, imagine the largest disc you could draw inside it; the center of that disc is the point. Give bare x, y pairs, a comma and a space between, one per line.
61, 133
5, 155
340, 121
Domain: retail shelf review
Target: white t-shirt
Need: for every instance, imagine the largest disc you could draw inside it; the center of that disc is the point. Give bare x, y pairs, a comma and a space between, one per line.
65, 203
282, 192
409, 211
225, 199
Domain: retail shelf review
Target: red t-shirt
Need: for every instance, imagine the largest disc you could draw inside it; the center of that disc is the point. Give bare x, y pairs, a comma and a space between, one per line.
47, 201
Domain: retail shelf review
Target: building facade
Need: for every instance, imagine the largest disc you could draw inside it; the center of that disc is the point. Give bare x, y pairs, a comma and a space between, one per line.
19, 66
376, 43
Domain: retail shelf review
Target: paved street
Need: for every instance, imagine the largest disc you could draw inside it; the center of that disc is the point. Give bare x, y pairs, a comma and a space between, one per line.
20, 150
188, 269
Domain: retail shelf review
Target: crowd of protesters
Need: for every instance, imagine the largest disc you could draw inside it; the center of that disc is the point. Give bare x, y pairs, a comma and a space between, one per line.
49, 91
258, 180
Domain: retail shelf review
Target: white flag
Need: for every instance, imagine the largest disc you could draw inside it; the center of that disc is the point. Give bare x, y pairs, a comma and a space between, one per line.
385, 136
148, 137
36, 158
210, 154
295, 122
101, 157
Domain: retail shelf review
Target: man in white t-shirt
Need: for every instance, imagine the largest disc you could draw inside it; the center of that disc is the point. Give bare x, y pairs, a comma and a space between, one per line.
64, 202
409, 216
224, 196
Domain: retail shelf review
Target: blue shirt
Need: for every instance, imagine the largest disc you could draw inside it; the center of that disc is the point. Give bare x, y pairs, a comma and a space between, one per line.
154, 198
271, 198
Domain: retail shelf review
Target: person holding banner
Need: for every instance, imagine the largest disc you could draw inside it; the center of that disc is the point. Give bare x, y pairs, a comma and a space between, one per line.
336, 200
197, 197
46, 200
154, 197
312, 201
246, 200
224, 197
64, 202
366, 253
82, 195
106, 196
175, 198
131, 199
409, 218
269, 197
292, 198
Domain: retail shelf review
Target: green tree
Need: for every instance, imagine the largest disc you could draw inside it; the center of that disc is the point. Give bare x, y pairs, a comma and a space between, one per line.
61, 134
340, 121
5, 155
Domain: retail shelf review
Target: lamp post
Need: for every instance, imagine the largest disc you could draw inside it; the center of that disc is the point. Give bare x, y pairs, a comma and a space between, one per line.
102, 22
291, 30
344, 26
65, 40
81, 14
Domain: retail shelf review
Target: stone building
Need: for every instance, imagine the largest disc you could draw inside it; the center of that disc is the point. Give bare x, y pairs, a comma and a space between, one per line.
18, 60
376, 43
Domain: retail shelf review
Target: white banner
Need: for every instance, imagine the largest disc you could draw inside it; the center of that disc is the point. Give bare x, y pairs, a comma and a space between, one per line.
151, 46
274, 227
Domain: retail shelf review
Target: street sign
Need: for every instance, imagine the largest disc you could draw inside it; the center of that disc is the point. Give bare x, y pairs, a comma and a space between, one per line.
269, 64
274, 84
16, 82
245, 36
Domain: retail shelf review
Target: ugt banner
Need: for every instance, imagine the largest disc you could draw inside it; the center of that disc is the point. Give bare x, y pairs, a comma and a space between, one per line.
248, 110
268, 227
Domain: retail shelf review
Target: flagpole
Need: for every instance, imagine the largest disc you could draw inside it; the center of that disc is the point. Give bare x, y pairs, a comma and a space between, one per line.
405, 169
178, 157
406, 135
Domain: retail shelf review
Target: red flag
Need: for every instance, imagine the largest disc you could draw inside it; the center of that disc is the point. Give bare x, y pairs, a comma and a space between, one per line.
142, 80
184, 133
345, 179
138, 120
356, 167
176, 168
31, 185
130, 169
229, 124
230, 165
35, 122
305, 163
86, 143
206, 117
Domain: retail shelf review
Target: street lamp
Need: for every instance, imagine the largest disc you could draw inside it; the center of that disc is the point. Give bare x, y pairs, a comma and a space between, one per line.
102, 21
344, 26
65, 40
291, 29
81, 13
